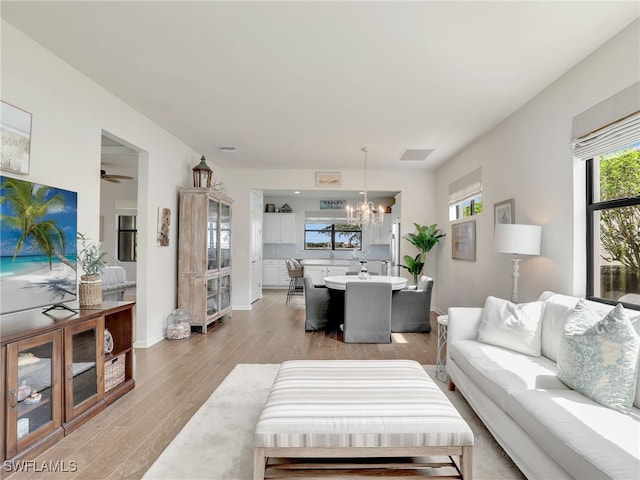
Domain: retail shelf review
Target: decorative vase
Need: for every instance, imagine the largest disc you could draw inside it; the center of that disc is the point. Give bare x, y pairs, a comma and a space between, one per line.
90, 290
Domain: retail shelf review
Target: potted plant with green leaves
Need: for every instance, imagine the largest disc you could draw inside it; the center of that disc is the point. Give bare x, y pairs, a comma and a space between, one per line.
425, 238
91, 260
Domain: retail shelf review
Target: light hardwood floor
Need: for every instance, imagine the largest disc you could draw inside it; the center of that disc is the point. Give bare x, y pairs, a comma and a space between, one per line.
174, 378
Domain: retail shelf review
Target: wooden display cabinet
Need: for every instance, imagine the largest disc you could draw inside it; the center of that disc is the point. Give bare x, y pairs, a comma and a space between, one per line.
204, 256
83, 370
121, 328
61, 356
29, 424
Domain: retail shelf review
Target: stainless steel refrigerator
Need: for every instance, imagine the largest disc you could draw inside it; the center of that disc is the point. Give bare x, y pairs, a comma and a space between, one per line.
394, 246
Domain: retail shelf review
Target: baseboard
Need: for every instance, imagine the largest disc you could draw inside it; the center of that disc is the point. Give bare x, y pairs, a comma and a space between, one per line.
241, 307
140, 344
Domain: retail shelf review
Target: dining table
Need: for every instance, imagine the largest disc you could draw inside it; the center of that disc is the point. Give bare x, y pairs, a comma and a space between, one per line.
337, 286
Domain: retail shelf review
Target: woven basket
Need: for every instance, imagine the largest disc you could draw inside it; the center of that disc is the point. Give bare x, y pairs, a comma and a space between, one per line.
90, 290
114, 372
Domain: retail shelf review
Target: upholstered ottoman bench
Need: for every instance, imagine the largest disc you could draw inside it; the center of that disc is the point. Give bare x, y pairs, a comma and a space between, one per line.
383, 409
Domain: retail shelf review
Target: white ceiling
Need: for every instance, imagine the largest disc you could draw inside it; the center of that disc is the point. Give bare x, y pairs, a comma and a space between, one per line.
307, 84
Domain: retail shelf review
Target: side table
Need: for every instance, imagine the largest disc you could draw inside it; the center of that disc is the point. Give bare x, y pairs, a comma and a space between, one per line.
441, 370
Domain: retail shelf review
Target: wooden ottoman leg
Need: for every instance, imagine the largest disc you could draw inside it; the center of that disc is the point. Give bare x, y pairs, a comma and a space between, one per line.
259, 463
466, 462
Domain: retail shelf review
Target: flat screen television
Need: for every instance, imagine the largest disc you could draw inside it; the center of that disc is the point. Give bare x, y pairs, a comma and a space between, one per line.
38, 230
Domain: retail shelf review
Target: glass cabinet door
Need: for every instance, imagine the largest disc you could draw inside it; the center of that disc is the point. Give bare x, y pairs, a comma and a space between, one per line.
213, 306
34, 392
225, 291
212, 236
225, 235
83, 346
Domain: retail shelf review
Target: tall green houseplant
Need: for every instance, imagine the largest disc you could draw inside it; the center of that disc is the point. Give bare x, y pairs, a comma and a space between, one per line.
425, 238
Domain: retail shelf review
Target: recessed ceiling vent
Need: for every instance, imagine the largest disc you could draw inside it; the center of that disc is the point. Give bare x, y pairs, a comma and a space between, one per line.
415, 154
228, 149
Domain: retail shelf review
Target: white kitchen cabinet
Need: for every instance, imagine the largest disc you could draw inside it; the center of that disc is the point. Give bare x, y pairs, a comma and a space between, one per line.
274, 273
333, 271
279, 228
316, 272
382, 235
319, 272
283, 274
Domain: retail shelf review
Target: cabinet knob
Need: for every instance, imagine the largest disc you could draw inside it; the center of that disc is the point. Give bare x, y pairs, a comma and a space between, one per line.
14, 396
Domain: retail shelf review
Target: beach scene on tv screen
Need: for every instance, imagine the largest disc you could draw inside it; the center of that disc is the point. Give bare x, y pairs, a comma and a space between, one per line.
38, 229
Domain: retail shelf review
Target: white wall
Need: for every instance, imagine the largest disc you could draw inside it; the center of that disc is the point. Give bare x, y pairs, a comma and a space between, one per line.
69, 112
528, 157
418, 201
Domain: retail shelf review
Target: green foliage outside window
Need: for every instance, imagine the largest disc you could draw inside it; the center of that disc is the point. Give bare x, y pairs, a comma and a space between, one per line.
477, 208
620, 227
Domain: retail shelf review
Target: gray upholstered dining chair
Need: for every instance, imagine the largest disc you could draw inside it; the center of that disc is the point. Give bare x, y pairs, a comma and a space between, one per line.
367, 312
316, 304
411, 308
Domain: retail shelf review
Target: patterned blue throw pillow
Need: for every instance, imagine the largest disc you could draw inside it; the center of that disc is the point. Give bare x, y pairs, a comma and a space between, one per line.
599, 357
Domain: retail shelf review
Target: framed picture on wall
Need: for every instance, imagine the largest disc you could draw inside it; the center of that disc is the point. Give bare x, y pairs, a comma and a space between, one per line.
328, 179
504, 212
333, 204
164, 220
463, 241
15, 131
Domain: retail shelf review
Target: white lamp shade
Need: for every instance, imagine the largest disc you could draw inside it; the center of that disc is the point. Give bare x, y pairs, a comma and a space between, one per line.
517, 239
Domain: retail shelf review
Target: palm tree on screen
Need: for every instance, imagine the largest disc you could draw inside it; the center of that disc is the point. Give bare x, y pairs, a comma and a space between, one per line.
31, 207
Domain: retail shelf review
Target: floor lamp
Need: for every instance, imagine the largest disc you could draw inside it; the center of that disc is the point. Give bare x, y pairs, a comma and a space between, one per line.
517, 240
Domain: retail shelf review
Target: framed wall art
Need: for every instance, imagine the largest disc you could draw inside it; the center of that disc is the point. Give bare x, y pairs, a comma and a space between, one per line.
328, 179
164, 220
463, 241
504, 212
333, 204
15, 131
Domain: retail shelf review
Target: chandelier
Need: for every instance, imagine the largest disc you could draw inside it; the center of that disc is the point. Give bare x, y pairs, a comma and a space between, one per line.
365, 214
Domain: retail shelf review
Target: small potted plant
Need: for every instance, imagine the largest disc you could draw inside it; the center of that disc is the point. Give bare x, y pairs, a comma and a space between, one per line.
425, 238
91, 260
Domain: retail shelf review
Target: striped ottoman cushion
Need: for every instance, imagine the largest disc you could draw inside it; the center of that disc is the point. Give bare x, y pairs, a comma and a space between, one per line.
358, 403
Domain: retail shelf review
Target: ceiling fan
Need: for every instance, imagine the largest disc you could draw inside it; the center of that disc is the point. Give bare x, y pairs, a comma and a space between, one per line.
113, 178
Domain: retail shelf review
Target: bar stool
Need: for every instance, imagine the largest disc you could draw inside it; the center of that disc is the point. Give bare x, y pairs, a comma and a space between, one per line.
295, 271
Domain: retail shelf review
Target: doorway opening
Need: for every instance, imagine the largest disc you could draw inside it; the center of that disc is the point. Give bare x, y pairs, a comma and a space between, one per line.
119, 167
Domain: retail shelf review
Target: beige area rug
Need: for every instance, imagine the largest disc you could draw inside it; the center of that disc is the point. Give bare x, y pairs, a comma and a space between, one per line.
217, 442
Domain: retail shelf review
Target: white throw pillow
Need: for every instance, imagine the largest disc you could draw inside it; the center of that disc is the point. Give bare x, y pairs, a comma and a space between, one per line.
516, 327
599, 356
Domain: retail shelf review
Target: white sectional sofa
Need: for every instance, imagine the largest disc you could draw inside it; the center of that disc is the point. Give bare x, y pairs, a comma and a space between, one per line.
549, 430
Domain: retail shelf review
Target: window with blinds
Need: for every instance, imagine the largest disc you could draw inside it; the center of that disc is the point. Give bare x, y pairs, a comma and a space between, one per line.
465, 196
612, 155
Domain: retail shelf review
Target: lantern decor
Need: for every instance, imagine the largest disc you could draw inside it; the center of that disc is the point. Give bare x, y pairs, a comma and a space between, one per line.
202, 174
